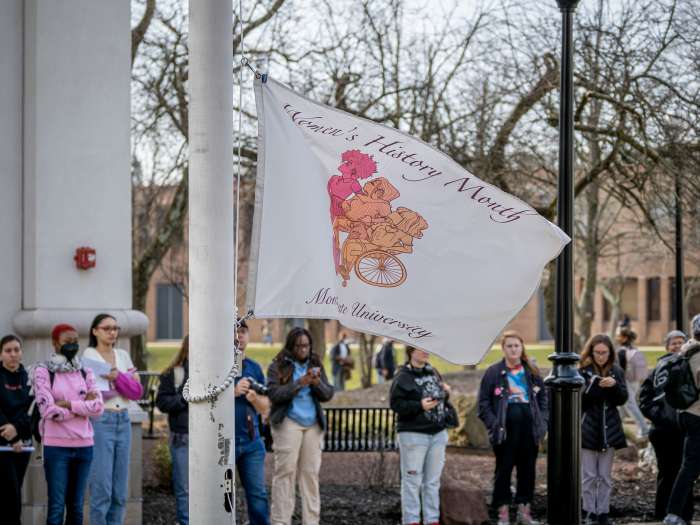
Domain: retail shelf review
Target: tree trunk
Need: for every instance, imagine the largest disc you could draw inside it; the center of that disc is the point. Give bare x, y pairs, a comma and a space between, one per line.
139, 290
550, 306
366, 357
317, 327
592, 248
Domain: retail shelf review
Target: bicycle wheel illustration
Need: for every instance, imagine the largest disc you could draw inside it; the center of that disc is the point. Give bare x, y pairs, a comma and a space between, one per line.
379, 268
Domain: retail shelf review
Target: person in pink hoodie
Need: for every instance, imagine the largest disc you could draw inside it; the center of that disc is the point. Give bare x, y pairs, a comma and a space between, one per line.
67, 397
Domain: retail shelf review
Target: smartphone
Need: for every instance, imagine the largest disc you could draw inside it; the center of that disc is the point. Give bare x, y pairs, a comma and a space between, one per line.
316, 370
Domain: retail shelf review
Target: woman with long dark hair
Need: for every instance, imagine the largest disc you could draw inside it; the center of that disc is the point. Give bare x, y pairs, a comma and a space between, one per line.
514, 407
169, 400
297, 385
601, 425
14, 427
419, 397
109, 475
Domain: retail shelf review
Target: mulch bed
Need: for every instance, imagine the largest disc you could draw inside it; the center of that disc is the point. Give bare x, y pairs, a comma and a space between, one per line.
355, 490
363, 488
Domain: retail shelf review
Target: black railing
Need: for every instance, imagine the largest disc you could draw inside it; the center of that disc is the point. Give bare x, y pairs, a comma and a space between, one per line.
360, 429
150, 381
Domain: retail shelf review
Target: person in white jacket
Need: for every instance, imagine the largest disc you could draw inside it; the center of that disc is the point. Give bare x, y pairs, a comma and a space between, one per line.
109, 474
633, 362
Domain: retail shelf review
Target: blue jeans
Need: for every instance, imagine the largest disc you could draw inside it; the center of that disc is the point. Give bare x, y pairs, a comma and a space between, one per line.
339, 380
109, 475
67, 470
179, 454
250, 462
422, 458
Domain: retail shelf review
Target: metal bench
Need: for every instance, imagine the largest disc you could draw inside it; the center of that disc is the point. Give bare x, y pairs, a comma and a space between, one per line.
360, 429
150, 382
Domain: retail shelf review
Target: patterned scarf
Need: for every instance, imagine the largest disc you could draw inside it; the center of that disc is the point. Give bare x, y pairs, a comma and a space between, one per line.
57, 364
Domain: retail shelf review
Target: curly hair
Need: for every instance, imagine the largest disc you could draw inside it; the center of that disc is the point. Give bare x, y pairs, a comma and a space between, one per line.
285, 357
364, 164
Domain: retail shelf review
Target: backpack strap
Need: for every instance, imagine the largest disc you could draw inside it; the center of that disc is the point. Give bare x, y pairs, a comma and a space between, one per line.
622, 358
52, 376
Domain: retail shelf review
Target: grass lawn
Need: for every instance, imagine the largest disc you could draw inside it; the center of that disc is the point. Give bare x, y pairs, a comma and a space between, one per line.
160, 355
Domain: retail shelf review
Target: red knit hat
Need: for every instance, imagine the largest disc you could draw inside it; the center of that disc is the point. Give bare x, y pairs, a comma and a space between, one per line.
59, 329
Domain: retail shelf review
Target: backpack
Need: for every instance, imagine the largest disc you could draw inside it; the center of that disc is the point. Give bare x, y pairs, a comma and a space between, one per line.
680, 390
622, 358
35, 415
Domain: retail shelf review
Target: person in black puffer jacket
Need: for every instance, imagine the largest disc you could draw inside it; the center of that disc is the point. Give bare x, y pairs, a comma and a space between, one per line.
666, 435
420, 399
601, 425
169, 400
14, 427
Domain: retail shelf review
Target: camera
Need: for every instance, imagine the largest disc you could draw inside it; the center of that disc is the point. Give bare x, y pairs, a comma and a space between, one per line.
256, 387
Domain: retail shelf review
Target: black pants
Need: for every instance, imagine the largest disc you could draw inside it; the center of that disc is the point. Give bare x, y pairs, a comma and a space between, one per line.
668, 447
519, 451
12, 469
690, 467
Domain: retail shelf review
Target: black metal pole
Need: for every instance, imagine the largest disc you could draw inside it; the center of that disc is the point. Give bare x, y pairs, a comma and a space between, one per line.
565, 382
680, 273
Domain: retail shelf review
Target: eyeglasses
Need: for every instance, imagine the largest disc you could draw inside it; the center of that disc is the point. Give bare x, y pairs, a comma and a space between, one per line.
302, 345
109, 328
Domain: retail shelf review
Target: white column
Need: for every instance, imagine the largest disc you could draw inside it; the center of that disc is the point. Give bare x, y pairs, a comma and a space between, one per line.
76, 168
211, 261
10, 161
76, 185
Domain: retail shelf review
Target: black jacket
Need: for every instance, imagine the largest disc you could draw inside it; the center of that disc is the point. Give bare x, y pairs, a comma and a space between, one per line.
652, 399
410, 386
169, 400
601, 425
282, 394
14, 403
386, 360
493, 403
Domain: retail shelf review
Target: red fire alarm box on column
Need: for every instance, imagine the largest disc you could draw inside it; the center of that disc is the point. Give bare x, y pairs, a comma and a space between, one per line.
85, 258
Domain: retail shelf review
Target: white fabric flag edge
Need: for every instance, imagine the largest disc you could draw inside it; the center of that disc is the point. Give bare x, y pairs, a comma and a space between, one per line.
258, 216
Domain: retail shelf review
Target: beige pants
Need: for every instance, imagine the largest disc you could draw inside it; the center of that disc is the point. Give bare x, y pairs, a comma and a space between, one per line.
297, 454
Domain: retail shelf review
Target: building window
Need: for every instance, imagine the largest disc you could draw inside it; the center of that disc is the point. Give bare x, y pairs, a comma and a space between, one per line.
654, 299
168, 312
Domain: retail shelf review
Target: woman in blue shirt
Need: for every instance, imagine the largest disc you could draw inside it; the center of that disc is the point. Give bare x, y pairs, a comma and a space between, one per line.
297, 385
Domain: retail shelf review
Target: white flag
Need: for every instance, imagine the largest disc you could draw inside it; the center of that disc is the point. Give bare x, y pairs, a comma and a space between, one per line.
362, 223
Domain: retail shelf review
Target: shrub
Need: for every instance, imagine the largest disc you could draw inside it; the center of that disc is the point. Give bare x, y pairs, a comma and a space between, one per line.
162, 464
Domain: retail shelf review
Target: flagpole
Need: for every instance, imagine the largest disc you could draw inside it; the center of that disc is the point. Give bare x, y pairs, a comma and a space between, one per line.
565, 382
211, 260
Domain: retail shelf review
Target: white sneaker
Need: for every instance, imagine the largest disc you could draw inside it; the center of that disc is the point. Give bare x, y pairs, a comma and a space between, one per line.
672, 519
525, 516
503, 516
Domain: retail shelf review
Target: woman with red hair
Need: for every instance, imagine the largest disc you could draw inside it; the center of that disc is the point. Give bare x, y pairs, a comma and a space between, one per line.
67, 397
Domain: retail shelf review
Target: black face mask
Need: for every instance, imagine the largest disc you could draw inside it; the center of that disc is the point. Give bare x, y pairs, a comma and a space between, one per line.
69, 350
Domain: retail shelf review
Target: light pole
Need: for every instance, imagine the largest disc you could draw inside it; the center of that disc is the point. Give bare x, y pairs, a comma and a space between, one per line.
211, 260
680, 274
564, 382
